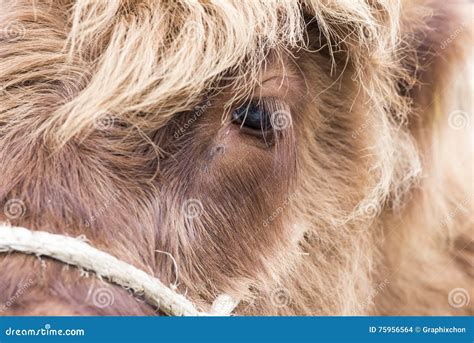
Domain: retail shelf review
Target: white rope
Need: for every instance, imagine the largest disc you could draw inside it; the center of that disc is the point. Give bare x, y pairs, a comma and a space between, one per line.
76, 252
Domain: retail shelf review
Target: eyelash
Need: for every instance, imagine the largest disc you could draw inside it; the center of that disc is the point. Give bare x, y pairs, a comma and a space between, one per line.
259, 116
253, 115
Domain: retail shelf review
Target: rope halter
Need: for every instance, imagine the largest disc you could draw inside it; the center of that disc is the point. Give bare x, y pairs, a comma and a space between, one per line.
77, 252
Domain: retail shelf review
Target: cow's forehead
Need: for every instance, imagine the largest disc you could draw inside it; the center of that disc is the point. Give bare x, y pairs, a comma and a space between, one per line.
160, 56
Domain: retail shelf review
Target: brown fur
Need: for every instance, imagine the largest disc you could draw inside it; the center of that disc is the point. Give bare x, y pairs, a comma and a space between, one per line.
363, 205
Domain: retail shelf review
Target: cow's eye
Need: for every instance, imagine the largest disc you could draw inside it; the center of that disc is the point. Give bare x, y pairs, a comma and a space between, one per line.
253, 116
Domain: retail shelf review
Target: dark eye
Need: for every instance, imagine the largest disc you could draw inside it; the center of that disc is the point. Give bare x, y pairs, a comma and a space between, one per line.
252, 116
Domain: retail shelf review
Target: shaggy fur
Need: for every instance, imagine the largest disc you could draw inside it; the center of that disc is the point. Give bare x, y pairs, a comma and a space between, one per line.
115, 122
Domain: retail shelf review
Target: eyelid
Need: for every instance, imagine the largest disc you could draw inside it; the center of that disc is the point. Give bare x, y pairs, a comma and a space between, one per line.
271, 78
281, 77
280, 86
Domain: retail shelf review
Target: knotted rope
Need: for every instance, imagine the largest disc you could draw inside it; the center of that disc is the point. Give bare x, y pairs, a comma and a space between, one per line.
76, 252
